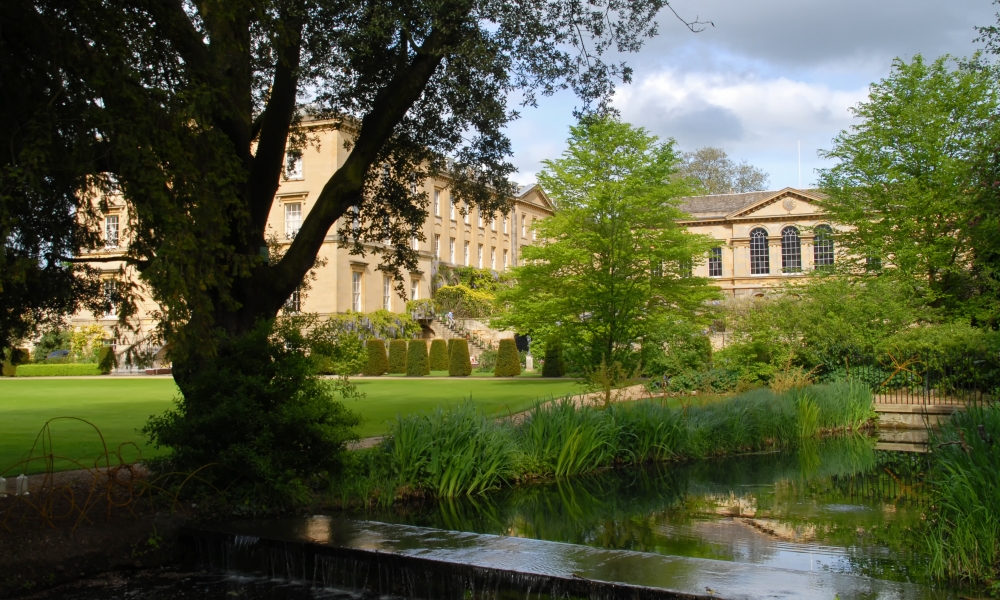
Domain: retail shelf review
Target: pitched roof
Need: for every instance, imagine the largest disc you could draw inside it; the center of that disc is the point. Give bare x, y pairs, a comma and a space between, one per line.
720, 205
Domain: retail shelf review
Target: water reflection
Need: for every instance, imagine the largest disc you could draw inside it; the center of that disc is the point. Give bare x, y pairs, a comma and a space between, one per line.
837, 505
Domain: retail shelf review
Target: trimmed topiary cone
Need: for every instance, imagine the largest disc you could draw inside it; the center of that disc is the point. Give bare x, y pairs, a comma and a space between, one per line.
397, 356
459, 364
554, 365
508, 360
377, 363
417, 362
451, 344
439, 355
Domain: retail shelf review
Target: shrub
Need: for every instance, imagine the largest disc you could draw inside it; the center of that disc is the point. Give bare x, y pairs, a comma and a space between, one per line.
377, 363
439, 355
487, 360
508, 360
459, 364
58, 370
259, 412
106, 360
9, 369
417, 362
554, 364
964, 536
451, 344
397, 356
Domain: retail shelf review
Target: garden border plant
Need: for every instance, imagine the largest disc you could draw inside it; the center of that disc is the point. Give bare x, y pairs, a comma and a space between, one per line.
465, 452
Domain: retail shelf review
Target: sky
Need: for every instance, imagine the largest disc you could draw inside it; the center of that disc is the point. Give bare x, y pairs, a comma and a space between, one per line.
770, 77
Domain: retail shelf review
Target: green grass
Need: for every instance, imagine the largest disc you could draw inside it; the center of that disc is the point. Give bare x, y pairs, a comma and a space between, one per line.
119, 406
57, 370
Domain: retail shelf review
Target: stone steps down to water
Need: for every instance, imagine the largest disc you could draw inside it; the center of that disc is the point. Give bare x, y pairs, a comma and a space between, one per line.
418, 562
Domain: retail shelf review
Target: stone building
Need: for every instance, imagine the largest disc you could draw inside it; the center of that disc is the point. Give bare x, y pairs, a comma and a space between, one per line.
347, 282
765, 238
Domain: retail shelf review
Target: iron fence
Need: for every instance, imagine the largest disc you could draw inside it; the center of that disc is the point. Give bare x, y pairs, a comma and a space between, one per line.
926, 378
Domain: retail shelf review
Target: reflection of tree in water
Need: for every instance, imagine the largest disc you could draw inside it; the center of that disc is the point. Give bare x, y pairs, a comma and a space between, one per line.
838, 492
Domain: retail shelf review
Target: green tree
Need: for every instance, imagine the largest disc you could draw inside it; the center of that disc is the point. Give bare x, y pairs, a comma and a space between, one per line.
377, 363
715, 173
508, 360
459, 363
554, 364
906, 180
439, 355
397, 356
612, 263
417, 362
191, 111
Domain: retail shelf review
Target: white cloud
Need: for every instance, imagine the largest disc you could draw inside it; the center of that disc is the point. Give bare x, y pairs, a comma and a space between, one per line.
752, 117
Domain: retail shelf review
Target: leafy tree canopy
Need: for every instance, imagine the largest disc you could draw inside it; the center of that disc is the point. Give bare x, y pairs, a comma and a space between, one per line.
189, 109
612, 264
909, 182
715, 173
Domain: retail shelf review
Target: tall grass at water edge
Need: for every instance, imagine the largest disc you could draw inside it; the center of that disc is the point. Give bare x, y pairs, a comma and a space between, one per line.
462, 452
964, 533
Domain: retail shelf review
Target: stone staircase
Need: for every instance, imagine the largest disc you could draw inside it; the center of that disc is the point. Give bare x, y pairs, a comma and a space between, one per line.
479, 339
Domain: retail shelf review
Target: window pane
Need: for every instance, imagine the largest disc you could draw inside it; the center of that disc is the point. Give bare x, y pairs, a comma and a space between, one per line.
111, 231
293, 219
715, 262
387, 293
791, 251
356, 291
823, 247
760, 263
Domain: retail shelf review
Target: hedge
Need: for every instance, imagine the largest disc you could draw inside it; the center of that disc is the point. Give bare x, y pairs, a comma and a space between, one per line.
58, 370
397, 356
555, 364
377, 363
417, 362
439, 355
459, 364
508, 360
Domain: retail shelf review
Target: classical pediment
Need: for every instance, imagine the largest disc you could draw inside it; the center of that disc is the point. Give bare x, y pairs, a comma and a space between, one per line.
535, 195
783, 203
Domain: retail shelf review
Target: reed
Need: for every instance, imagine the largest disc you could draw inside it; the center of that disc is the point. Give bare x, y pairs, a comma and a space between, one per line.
461, 452
964, 533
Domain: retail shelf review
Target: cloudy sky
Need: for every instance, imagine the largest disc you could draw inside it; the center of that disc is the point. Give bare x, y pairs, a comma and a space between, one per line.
771, 74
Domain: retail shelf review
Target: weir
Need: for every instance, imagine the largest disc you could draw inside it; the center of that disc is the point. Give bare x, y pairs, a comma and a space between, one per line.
417, 562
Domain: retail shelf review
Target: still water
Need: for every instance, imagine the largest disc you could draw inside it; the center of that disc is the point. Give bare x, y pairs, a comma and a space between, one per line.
838, 506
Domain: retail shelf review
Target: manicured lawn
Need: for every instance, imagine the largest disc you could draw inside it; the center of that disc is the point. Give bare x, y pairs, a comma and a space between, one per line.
118, 407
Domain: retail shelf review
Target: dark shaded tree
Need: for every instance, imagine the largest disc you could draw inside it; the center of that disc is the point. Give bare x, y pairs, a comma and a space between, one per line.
196, 106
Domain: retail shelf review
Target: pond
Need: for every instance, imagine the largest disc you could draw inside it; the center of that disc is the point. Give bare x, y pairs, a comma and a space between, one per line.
839, 505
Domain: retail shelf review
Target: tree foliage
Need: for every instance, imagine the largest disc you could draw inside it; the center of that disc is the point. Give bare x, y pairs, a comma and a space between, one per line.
378, 363
459, 363
190, 110
397, 356
417, 362
908, 182
612, 263
508, 360
268, 425
439, 355
715, 173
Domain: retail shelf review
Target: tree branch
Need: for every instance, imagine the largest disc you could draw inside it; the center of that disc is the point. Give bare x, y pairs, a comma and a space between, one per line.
177, 27
345, 187
268, 162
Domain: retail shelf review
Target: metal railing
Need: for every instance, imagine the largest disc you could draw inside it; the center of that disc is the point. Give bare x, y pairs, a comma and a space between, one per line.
927, 378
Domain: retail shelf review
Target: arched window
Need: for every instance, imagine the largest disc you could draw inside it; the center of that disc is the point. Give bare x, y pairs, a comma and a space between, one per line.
823, 247
791, 251
760, 264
